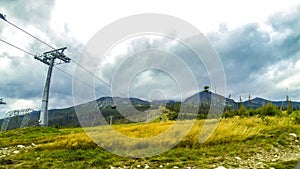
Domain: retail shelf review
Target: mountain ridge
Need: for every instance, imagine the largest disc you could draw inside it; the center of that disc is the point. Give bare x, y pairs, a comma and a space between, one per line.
135, 109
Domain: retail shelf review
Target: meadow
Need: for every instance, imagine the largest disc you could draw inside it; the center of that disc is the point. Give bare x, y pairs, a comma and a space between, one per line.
249, 142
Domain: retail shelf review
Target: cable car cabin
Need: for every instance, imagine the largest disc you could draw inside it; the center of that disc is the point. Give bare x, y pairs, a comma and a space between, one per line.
1, 101
113, 105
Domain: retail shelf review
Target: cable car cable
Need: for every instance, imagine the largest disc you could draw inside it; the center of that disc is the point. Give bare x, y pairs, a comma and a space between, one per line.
26, 32
38, 39
23, 50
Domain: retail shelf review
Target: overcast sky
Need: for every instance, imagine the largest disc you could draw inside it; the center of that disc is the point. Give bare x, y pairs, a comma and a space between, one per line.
258, 43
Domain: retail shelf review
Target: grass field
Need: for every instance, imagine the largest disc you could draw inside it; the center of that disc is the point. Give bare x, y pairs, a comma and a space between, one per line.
236, 143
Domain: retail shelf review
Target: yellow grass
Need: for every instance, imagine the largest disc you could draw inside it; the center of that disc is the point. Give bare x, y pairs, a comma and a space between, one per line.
134, 137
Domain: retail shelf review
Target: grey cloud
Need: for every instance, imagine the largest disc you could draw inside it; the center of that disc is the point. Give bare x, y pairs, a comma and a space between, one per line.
155, 80
22, 78
249, 51
25, 76
247, 54
148, 81
31, 12
282, 21
243, 51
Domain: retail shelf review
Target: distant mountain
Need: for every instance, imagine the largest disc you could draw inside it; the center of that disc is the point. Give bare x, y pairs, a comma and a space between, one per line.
126, 111
162, 102
259, 102
133, 109
207, 97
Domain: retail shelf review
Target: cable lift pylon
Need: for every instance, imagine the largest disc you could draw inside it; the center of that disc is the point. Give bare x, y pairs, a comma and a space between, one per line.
44, 59
47, 58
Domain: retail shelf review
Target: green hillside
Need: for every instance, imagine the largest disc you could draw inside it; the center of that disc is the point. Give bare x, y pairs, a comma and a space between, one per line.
237, 142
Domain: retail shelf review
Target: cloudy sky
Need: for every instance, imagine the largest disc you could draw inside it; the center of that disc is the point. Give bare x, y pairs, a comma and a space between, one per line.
258, 43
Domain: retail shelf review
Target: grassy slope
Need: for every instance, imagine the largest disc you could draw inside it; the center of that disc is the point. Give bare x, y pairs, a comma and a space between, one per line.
236, 143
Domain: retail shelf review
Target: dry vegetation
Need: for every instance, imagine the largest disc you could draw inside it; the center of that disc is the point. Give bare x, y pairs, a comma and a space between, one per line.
236, 143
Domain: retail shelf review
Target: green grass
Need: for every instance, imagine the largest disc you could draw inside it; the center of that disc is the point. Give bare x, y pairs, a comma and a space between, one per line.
247, 138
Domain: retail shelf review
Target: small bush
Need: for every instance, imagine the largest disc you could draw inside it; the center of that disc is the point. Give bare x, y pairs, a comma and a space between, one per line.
269, 110
295, 116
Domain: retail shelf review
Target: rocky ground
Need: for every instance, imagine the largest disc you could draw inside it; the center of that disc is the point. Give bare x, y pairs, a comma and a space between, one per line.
6, 152
261, 159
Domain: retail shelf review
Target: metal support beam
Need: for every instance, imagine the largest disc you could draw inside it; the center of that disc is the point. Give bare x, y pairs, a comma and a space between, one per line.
148, 111
16, 114
48, 58
110, 120
44, 108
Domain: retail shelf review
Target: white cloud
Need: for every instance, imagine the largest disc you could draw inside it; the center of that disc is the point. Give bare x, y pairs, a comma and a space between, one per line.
290, 76
205, 15
259, 57
255, 45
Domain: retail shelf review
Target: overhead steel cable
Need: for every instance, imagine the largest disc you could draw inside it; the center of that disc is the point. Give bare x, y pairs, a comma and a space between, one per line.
12, 45
108, 85
86, 84
36, 38
45, 43
56, 67
34, 55
29, 53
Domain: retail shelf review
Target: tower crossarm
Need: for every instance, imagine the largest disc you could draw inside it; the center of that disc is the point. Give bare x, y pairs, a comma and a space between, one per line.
46, 57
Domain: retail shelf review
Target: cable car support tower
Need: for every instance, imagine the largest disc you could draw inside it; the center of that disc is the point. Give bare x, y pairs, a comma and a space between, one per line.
48, 58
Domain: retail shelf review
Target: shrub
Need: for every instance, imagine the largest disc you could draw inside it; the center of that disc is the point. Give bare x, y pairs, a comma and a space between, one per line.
269, 110
228, 114
171, 115
251, 112
242, 112
289, 107
295, 116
